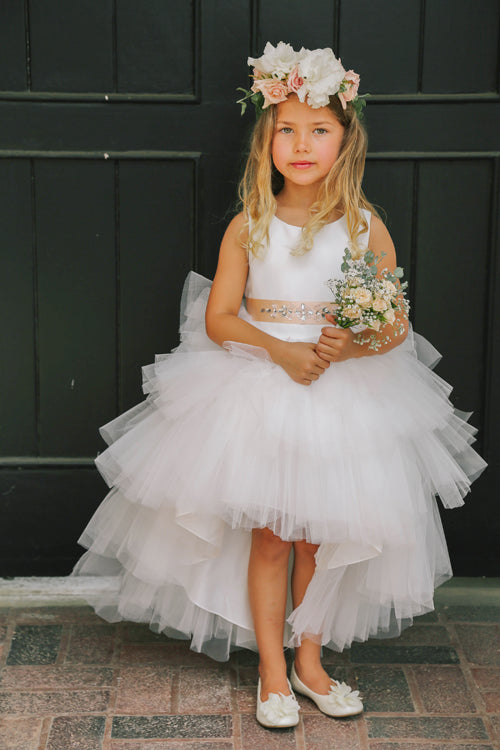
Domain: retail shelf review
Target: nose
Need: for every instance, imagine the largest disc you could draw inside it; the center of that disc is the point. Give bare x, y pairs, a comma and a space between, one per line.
302, 142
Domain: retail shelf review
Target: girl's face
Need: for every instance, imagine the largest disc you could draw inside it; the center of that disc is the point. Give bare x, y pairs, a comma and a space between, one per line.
306, 141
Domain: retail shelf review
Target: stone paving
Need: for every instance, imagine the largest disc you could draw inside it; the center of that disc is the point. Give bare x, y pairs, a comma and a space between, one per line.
69, 681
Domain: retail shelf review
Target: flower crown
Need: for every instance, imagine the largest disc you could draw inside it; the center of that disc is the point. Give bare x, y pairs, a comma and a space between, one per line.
315, 74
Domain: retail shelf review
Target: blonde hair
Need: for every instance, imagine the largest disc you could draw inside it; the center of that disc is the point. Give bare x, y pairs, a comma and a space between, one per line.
340, 190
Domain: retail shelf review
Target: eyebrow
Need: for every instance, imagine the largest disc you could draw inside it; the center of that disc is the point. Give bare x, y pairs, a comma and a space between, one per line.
321, 122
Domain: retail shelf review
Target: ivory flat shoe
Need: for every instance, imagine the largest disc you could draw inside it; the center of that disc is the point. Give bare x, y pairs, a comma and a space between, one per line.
279, 711
340, 700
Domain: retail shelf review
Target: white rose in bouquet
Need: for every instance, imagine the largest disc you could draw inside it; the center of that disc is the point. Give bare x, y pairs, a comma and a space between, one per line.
363, 297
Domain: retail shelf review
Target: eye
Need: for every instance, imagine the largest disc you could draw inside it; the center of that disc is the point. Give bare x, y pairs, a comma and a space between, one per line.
320, 131
285, 130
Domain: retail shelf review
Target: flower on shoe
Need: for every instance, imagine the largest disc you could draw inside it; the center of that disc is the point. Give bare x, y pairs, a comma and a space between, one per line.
272, 90
279, 706
343, 696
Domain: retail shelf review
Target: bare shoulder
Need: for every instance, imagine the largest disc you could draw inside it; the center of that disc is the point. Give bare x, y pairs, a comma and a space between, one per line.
381, 241
237, 228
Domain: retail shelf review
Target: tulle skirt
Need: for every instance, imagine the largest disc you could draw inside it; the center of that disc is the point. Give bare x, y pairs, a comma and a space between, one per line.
226, 442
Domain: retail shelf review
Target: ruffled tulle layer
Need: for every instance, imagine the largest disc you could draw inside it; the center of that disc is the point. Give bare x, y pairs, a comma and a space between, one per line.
226, 442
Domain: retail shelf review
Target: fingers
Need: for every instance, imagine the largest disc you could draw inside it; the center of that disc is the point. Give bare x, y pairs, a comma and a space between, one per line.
310, 378
327, 352
332, 333
320, 364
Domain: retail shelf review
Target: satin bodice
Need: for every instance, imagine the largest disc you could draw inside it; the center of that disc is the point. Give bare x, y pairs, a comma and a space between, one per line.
280, 275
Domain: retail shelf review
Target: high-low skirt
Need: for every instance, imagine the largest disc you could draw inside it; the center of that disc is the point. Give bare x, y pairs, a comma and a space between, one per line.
226, 442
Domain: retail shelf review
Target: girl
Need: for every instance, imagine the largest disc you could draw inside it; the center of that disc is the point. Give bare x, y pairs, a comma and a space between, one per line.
280, 430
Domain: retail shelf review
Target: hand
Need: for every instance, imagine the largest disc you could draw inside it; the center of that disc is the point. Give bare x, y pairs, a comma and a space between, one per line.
300, 361
337, 344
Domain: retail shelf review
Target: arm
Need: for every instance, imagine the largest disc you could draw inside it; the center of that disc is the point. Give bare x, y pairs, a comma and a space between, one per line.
299, 360
337, 344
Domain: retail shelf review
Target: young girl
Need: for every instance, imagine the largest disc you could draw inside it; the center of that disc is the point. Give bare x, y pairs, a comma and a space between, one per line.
273, 429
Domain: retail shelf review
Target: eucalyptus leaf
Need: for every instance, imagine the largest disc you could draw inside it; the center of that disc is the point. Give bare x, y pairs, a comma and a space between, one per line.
373, 271
398, 272
369, 256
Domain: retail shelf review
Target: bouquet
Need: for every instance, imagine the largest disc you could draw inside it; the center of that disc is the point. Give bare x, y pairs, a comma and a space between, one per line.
364, 300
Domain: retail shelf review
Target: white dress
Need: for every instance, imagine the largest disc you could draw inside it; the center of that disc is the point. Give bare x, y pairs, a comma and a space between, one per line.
225, 442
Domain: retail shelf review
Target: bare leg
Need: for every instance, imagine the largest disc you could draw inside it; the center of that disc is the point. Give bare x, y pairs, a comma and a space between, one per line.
267, 589
308, 654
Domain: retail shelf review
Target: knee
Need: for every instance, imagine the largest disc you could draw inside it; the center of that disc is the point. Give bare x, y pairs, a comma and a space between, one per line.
305, 550
268, 545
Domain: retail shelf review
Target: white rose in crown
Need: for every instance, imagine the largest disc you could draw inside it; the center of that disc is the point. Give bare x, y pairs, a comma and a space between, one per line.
277, 61
322, 74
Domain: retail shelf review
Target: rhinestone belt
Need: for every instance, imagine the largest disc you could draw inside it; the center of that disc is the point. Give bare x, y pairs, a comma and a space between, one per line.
286, 311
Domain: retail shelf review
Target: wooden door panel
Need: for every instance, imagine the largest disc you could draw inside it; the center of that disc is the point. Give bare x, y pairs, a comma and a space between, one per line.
76, 301
157, 249
18, 366
461, 46
71, 45
13, 45
389, 185
295, 25
453, 232
146, 36
385, 68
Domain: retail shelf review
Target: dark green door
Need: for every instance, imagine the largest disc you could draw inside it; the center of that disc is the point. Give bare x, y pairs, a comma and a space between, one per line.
119, 146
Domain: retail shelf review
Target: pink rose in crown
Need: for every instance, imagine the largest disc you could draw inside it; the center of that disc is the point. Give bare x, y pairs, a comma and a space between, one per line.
351, 82
295, 80
273, 91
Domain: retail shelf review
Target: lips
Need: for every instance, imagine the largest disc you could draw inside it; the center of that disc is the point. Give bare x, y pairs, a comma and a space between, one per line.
301, 164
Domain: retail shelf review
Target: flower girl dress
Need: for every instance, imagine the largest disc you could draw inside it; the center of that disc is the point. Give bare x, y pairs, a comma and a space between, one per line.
226, 442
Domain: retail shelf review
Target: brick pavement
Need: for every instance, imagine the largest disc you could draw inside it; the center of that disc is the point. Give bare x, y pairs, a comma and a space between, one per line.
69, 681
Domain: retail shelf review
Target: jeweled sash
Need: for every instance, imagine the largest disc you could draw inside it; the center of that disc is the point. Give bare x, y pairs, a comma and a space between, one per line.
287, 311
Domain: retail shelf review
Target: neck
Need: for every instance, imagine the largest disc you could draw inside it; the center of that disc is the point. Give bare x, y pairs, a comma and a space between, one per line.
298, 197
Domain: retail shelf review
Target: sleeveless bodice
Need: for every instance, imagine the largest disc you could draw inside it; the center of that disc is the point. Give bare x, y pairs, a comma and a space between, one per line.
279, 275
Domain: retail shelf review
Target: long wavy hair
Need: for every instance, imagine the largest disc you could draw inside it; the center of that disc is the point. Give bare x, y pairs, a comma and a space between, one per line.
340, 190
